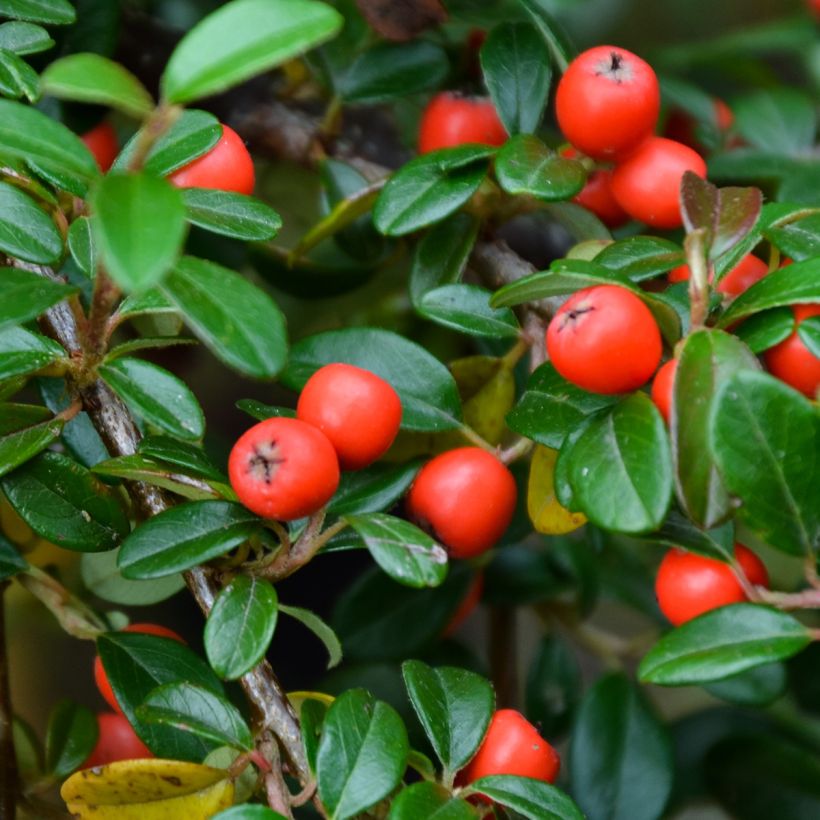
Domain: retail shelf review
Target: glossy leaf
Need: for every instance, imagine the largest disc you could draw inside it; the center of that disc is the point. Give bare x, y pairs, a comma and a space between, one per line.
454, 706
620, 756
759, 686
248, 811
766, 329
136, 664
22, 351
240, 626
197, 710
533, 799
428, 393
50, 12
259, 411
515, 63
429, 800
557, 40
24, 38
11, 562
102, 576
784, 122
242, 39
808, 332
319, 628
766, 441
525, 165
139, 225
362, 754
621, 468
429, 188
71, 735
92, 78
17, 77
707, 360
157, 395
83, 246
546, 512
798, 239
679, 531
554, 687
65, 504
230, 214
374, 489
14, 417
723, 642
641, 257
190, 458
240, 323
184, 536
26, 295
467, 308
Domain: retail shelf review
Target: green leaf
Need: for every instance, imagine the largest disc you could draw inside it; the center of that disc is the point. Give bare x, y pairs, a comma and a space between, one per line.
190, 458
19, 446
14, 417
723, 642
784, 122
531, 798
139, 225
551, 407
242, 39
765, 438
236, 320
766, 329
137, 467
51, 12
374, 489
28, 134
184, 536
197, 710
260, 412
362, 754
515, 62
82, 245
248, 811
240, 626
798, 239
454, 706
559, 44
641, 257
192, 134
157, 395
429, 396
707, 360
71, 735
554, 686
319, 628
441, 255
467, 308
401, 549
91, 78
102, 576
389, 70
620, 755
17, 77
136, 664
795, 284
429, 188
230, 214
431, 801
147, 302
620, 468
24, 38
11, 562
22, 351
526, 166
26, 295
809, 333
758, 686
679, 531
65, 504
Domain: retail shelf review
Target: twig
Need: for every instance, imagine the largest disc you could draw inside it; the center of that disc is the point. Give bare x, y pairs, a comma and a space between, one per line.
8, 758
307, 545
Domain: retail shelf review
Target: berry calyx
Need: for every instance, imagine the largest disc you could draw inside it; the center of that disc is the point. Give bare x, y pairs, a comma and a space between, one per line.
662, 386
283, 468
647, 184
605, 340
687, 585
103, 143
358, 411
226, 167
452, 119
512, 746
117, 740
607, 102
465, 498
101, 679
791, 361
740, 278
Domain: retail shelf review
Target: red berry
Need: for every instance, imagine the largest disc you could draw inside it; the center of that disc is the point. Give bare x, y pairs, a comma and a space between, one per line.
512, 746
103, 144
607, 102
791, 361
468, 604
227, 167
741, 277
358, 411
283, 468
605, 340
680, 126
452, 119
687, 585
466, 497
596, 195
662, 388
647, 184
117, 741
101, 679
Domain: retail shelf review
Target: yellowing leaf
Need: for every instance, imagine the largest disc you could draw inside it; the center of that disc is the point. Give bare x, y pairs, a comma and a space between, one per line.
298, 698
487, 390
546, 513
150, 789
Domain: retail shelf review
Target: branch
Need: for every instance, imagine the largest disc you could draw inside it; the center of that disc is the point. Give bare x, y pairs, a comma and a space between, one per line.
8, 759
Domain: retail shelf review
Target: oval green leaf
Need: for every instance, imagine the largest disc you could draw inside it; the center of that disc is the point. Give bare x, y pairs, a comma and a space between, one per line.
526, 166
71, 735
230, 214
26, 295
533, 799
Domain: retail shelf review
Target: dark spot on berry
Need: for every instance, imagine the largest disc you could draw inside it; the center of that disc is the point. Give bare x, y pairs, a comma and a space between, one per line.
263, 464
615, 61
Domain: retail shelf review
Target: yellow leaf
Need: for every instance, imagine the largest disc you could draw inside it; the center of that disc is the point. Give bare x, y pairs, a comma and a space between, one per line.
298, 698
545, 511
150, 789
487, 390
